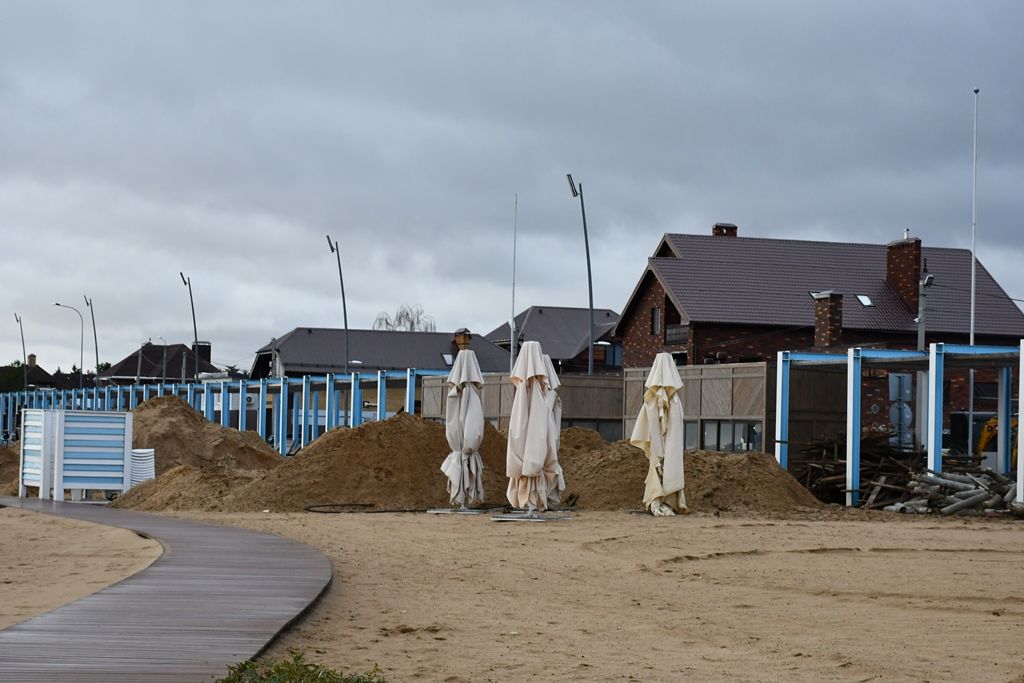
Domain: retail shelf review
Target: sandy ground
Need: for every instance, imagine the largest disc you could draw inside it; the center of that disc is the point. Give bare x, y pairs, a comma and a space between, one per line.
47, 561
615, 596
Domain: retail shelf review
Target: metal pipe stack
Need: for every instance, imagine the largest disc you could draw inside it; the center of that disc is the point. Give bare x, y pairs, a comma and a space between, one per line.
959, 494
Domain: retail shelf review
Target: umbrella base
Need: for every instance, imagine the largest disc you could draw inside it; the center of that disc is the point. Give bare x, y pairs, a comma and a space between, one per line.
532, 516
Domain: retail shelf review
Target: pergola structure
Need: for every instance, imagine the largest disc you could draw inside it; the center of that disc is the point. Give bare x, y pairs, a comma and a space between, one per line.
935, 361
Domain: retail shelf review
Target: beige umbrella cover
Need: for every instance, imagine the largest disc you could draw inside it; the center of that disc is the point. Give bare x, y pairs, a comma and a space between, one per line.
554, 436
464, 428
531, 460
659, 432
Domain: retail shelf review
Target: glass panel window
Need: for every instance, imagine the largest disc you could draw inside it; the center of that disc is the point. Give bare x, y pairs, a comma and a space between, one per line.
727, 441
690, 435
655, 320
710, 440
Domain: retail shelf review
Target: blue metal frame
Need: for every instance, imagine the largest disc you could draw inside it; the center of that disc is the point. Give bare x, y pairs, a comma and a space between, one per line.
936, 376
225, 405
356, 407
304, 437
853, 428
382, 395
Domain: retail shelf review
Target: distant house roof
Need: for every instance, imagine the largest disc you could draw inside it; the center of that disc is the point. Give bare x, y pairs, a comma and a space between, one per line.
563, 332
152, 358
319, 350
12, 377
758, 281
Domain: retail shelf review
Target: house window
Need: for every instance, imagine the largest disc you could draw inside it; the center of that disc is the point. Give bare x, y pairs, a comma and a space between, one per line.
447, 358
655, 320
865, 300
690, 435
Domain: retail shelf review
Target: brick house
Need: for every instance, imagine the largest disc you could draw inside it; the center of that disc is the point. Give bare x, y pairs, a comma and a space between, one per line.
722, 298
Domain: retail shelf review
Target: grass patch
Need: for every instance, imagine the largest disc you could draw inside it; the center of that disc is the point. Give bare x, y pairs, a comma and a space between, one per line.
294, 670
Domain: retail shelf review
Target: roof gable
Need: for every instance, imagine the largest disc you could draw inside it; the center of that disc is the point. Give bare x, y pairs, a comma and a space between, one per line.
563, 332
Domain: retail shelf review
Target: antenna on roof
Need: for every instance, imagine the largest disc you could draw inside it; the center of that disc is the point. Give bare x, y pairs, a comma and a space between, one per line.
906, 233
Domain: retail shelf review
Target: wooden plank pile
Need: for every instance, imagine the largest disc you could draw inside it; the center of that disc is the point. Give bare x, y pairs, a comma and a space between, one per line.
951, 493
897, 480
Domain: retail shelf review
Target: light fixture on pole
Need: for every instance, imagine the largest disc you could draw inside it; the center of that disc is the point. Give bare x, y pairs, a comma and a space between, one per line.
163, 365
187, 281
344, 307
590, 279
24, 356
95, 342
974, 268
81, 346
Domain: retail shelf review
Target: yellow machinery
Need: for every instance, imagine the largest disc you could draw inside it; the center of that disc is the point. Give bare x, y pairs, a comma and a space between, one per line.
989, 434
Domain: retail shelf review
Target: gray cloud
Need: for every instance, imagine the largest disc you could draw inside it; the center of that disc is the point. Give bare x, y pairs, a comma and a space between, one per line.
226, 139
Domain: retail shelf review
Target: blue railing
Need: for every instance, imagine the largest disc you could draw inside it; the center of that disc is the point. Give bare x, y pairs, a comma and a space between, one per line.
288, 411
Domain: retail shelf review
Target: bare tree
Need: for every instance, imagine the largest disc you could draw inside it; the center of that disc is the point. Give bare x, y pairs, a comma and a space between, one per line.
406, 319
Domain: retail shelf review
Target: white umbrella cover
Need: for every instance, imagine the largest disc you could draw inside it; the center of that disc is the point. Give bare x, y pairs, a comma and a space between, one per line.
464, 428
554, 440
659, 432
532, 458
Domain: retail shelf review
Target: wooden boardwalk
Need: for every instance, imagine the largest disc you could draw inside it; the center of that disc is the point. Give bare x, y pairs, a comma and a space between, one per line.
218, 595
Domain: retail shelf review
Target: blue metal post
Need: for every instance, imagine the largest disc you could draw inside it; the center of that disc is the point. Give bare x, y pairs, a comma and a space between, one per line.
936, 376
782, 410
119, 398
382, 395
304, 438
106, 398
208, 401
1020, 428
853, 381
243, 404
332, 402
190, 395
225, 404
1004, 440
410, 391
282, 415
261, 410
133, 397
356, 409
296, 421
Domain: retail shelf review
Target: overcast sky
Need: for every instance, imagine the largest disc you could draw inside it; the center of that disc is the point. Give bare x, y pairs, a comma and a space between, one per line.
226, 139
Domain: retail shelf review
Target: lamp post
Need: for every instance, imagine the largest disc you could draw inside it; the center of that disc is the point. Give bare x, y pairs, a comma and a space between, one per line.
590, 279
24, 356
95, 342
974, 267
344, 307
187, 281
81, 346
163, 365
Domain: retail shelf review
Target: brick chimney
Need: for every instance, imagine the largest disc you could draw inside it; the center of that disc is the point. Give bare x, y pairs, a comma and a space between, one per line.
828, 318
723, 230
31, 360
903, 269
462, 338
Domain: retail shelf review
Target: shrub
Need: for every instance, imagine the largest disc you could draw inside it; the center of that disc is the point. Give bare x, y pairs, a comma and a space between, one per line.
294, 670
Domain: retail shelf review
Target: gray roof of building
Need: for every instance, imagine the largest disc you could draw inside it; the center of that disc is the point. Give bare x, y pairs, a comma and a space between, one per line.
563, 332
319, 350
153, 363
758, 281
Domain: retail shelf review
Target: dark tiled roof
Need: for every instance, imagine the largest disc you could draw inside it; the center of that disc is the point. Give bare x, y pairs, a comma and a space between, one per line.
563, 332
757, 281
12, 377
152, 363
319, 350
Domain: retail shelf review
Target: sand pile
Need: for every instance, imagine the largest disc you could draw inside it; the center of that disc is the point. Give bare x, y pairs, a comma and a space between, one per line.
181, 436
612, 478
577, 439
394, 464
9, 462
186, 488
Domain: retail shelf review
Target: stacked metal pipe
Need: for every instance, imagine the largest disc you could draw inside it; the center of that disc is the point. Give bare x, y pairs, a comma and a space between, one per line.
950, 493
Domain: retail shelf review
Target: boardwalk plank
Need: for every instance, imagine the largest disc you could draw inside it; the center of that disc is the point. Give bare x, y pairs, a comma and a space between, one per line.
218, 595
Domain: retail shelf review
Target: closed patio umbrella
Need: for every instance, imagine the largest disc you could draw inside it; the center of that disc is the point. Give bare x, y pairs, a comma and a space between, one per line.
535, 479
659, 432
464, 428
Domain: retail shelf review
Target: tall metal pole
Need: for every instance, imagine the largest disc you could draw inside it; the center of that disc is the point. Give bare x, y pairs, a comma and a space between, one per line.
163, 372
590, 279
24, 356
344, 306
974, 268
195, 330
81, 345
95, 342
512, 332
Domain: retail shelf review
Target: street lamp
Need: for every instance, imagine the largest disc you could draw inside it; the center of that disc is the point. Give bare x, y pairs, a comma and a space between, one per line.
81, 346
24, 356
344, 307
163, 366
590, 279
187, 281
95, 343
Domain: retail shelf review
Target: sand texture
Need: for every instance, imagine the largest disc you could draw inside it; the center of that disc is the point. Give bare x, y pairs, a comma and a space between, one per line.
47, 561
612, 596
9, 463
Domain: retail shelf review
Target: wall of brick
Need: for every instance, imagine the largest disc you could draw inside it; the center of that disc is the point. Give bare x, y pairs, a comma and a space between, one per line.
639, 345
